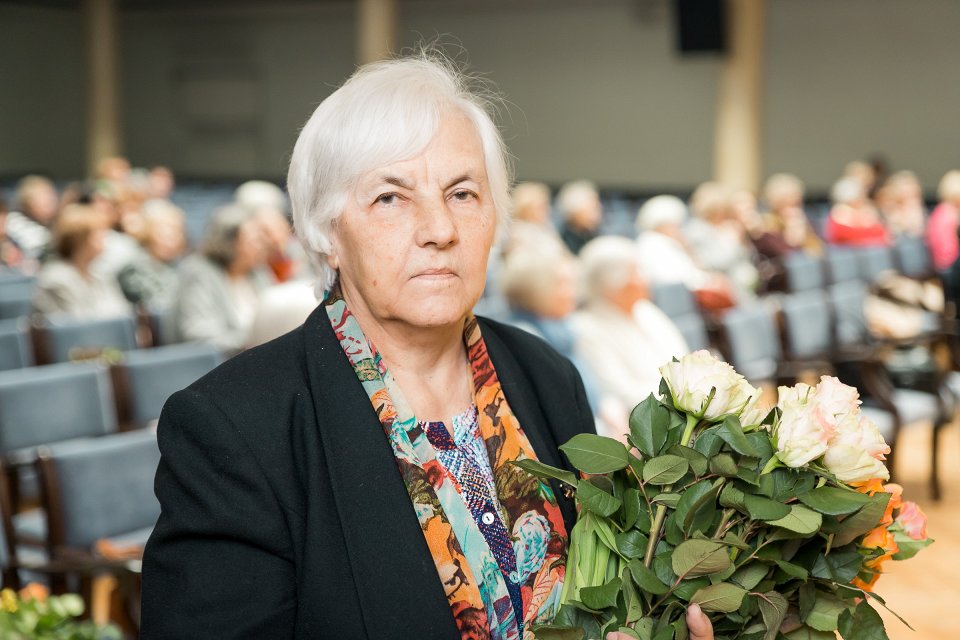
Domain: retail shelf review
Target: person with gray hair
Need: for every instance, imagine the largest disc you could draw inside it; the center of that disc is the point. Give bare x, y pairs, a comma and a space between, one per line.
581, 211
620, 334
220, 286
353, 478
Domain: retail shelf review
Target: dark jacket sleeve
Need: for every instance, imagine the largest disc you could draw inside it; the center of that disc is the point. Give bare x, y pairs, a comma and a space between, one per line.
219, 563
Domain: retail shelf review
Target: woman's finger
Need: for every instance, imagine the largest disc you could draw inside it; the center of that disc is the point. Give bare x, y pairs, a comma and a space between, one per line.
698, 624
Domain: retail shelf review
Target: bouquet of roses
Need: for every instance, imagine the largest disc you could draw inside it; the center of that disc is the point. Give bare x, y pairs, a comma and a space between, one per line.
775, 522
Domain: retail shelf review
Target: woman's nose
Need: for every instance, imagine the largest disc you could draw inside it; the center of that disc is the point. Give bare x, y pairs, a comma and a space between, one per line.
436, 225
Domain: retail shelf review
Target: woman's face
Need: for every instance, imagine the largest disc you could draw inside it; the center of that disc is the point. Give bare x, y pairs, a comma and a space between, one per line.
412, 245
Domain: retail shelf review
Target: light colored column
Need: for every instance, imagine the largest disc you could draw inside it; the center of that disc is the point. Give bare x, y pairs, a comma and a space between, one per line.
376, 29
738, 142
101, 23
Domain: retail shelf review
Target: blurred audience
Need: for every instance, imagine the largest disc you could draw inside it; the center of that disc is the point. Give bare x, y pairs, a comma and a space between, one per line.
11, 257
160, 183
620, 335
220, 286
66, 284
944, 222
285, 256
853, 220
900, 201
531, 226
28, 225
580, 209
150, 280
784, 193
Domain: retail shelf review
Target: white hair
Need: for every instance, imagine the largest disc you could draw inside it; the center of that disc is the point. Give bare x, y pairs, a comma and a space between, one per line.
847, 190
575, 196
529, 278
607, 264
260, 194
660, 210
384, 113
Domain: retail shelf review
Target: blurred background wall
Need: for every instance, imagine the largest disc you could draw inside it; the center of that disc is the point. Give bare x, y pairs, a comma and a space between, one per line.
596, 89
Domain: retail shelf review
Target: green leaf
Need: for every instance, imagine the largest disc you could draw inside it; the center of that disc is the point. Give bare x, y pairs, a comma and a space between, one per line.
825, 612
605, 533
602, 597
631, 544
800, 520
723, 597
806, 633
732, 498
731, 432
688, 588
665, 469
749, 576
760, 441
748, 475
644, 628
631, 507
595, 454
863, 624
808, 597
636, 465
695, 558
632, 600
784, 484
697, 506
792, 570
646, 579
908, 546
543, 471
696, 460
832, 501
649, 422
724, 465
708, 442
773, 609
761, 508
839, 565
596, 500
628, 632
667, 499
556, 632
864, 520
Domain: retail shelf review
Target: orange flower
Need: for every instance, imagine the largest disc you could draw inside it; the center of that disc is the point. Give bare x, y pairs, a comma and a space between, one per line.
879, 538
34, 591
913, 520
875, 485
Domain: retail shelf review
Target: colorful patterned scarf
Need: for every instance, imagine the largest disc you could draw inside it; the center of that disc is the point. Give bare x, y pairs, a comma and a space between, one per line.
520, 561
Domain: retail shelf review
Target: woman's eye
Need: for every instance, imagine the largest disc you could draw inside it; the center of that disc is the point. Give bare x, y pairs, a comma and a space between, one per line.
462, 195
387, 199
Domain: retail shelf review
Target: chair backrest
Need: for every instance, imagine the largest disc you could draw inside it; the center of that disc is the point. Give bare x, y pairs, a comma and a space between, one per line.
842, 264
913, 257
16, 295
63, 338
674, 299
874, 262
807, 322
40, 405
850, 320
15, 347
147, 377
804, 272
753, 341
99, 488
694, 330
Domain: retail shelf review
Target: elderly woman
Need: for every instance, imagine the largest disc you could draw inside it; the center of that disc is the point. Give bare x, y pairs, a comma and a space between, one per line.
151, 280
220, 287
582, 212
784, 193
352, 479
66, 284
853, 220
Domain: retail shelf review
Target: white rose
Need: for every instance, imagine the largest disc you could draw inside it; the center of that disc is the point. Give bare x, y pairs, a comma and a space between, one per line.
851, 463
754, 413
801, 435
857, 450
836, 400
697, 377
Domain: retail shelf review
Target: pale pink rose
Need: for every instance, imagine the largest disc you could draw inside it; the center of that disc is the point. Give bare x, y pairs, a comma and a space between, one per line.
861, 431
836, 398
853, 463
800, 436
696, 376
913, 520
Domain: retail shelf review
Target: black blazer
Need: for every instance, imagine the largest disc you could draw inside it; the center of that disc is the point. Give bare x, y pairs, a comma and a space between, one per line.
283, 512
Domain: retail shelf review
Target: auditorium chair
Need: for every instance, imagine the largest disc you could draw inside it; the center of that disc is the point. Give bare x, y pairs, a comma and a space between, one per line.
62, 339
679, 304
15, 348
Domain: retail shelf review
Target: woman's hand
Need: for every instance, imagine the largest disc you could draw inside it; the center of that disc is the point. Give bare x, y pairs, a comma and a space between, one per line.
698, 624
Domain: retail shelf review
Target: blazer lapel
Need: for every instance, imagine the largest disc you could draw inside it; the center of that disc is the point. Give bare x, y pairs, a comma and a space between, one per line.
394, 574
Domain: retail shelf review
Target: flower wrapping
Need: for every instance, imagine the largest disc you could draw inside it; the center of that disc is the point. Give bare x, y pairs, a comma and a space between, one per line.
776, 522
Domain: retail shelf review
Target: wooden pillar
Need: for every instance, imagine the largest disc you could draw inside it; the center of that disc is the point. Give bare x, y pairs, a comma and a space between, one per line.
738, 142
376, 29
104, 138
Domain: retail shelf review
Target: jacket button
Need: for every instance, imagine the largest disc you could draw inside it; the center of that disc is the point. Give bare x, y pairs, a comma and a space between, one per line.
487, 518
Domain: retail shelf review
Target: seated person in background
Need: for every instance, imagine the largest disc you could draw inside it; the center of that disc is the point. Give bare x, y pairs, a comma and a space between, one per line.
853, 220
220, 286
150, 280
11, 257
900, 201
160, 183
665, 259
285, 255
582, 213
540, 285
28, 224
783, 193
531, 225
66, 284
769, 246
718, 239
620, 335
944, 221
